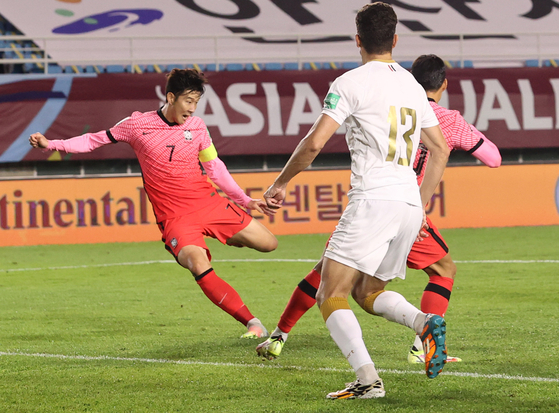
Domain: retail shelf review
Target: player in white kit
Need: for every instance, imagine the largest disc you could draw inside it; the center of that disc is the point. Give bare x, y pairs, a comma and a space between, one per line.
386, 112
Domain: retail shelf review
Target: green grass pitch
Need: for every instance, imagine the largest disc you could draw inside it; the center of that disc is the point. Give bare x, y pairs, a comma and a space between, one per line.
79, 333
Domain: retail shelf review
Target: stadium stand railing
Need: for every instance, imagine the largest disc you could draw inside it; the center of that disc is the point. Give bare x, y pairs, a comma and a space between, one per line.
23, 54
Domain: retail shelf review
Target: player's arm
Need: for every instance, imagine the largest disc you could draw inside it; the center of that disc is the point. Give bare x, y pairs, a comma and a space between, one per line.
435, 142
218, 173
485, 150
307, 150
469, 139
78, 144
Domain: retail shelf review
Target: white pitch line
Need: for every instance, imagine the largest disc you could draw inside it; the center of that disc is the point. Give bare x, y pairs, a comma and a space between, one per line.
269, 366
507, 261
311, 260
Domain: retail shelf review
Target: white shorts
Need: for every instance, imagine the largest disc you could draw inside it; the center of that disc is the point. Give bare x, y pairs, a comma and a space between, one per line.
375, 237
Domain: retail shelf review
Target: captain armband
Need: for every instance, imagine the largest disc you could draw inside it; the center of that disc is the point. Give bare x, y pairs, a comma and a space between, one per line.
208, 154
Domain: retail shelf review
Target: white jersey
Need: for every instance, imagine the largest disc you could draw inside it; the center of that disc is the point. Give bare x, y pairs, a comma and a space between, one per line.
384, 109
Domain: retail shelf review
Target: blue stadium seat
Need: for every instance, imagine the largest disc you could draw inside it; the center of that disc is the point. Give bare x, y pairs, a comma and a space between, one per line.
92, 69
54, 68
458, 63
254, 66
273, 66
350, 65
174, 66
234, 67
148, 69
213, 68
406, 64
291, 66
330, 65
10, 54
115, 69
196, 66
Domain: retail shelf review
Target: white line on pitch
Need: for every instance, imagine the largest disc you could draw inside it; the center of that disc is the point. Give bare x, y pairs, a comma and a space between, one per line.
507, 261
269, 366
312, 260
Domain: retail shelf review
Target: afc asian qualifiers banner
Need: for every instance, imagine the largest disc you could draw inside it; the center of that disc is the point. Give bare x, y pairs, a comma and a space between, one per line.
70, 211
266, 112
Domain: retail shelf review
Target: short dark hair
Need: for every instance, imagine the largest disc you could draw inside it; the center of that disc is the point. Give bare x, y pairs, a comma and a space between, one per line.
181, 81
376, 26
430, 71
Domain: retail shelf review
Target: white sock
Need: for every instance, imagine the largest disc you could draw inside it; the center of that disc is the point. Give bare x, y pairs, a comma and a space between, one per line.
367, 374
394, 307
417, 343
278, 332
346, 333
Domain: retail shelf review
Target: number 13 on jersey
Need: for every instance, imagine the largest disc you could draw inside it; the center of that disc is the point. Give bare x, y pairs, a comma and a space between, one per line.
405, 114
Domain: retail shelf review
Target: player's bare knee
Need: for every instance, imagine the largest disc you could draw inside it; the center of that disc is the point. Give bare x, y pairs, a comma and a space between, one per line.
360, 295
448, 269
266, 243
271, 244
194, 259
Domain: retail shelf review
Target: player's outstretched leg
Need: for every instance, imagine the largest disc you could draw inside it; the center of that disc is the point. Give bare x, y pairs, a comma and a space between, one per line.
357, 390
433, 337
226, 297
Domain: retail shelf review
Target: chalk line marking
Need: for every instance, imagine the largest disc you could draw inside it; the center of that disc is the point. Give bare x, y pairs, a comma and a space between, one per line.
311, 260
269, 366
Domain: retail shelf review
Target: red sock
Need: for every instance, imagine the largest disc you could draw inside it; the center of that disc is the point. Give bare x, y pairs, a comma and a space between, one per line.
224, 296
436, 295
302, 299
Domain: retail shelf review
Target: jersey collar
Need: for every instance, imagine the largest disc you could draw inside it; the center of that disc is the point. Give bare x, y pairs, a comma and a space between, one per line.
431, 100
164, 119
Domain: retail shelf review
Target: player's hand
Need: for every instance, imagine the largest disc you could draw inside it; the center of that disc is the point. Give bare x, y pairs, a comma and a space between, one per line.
261, 206
423, 230
38, 140
274, 196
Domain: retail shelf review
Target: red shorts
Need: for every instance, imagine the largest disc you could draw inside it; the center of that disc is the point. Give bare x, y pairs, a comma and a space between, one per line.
429, 251
219, 219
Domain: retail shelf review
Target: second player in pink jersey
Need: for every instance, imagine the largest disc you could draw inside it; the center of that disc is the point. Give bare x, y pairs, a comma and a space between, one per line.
170, 144
430, 254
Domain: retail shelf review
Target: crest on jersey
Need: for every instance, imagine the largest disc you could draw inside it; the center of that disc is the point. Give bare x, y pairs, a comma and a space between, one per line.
174, 243
187, 135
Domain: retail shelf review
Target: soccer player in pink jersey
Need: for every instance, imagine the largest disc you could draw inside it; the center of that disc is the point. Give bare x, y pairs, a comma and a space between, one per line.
170, 144
430, 254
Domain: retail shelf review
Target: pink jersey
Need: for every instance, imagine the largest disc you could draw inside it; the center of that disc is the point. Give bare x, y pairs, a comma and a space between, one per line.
459, 134
168, 156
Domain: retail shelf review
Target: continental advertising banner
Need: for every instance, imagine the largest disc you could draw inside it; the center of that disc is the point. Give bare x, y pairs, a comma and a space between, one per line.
262, 113
71, 211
